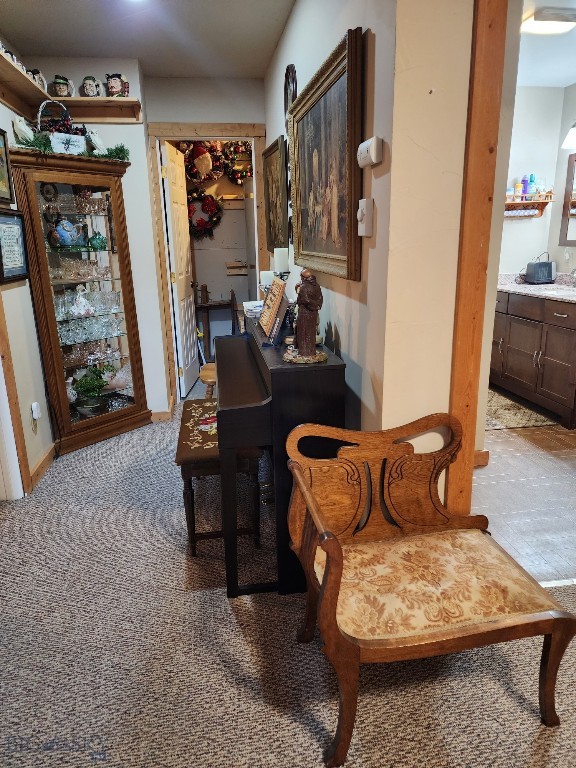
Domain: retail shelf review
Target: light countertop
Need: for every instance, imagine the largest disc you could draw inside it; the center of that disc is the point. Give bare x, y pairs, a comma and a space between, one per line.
562, 289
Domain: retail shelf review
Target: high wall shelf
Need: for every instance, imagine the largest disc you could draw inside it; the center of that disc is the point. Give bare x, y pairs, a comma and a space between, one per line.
21, 94
526, 208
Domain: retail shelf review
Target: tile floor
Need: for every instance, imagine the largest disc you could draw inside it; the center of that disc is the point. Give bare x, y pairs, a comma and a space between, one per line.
528, 493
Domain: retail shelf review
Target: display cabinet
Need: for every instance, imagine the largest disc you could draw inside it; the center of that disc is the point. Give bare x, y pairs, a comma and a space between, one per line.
81, 284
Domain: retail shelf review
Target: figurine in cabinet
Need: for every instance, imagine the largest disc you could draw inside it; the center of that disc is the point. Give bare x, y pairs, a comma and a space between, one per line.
66, 233
91, 86
117, 85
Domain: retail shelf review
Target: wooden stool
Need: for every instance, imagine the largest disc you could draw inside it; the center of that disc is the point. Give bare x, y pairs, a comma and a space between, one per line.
197, 455
208, 377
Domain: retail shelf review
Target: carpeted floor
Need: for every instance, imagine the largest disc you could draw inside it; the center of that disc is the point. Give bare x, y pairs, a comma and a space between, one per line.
505, 411
118, 649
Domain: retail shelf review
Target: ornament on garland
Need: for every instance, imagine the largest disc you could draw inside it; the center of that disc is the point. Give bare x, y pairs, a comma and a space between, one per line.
201, 227
231, 152
203, 161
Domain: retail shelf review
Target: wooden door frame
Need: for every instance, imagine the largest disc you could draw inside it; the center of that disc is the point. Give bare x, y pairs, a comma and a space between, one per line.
255, 132
486, 75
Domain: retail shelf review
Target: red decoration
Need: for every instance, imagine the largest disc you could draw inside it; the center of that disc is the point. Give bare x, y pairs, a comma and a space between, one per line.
211, 206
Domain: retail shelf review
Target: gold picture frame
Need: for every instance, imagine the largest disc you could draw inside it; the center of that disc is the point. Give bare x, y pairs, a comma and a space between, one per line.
324, 126
276, 194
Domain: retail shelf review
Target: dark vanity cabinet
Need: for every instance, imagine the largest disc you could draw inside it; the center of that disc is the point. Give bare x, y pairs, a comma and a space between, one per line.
534, 352
81, 283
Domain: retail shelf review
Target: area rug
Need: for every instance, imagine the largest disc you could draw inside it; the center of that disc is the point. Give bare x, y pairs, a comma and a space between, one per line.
508, 412
119, 649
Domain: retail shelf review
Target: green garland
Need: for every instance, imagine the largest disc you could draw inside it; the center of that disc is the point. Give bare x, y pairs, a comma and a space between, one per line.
211, 206
41, 142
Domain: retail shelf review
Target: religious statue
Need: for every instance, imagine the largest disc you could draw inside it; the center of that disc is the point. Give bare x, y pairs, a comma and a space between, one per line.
309, 302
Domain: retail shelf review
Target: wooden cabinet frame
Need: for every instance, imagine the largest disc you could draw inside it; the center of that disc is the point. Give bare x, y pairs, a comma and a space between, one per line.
30, 167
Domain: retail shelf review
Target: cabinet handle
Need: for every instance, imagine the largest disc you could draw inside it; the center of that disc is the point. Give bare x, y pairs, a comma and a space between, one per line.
539, 356
558, 315
534, 358
500, 345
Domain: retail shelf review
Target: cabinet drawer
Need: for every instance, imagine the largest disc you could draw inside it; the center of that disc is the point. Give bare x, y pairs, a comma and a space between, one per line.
561, 313
502, 301
530, 307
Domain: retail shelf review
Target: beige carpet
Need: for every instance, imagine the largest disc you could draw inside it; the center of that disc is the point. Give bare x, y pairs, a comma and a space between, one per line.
119, 650
505, 411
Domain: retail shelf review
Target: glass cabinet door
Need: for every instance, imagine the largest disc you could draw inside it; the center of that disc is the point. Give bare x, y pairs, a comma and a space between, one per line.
86, 292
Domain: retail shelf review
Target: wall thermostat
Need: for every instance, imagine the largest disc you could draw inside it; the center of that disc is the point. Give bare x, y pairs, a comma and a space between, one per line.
370, 152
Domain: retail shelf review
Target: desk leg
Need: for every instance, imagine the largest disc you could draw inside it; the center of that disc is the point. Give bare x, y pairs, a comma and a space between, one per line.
229, 518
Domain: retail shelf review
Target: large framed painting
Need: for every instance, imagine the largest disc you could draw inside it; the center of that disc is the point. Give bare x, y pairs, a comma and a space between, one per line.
6, 189
276, 194
325, 131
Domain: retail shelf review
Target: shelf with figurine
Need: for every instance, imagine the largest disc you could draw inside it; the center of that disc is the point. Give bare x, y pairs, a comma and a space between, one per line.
24, 90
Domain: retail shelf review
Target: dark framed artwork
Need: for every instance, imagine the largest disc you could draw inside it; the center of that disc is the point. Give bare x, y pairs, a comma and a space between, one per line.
13, 254
325, 131
276, 194
6, 188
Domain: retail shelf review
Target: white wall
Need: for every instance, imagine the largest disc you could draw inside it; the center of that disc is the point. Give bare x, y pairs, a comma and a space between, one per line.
354, 310
200, 100
534, 149
26, 359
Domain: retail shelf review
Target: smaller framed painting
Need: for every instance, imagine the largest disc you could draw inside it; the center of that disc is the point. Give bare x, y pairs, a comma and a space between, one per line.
13, 254
276, 194
6, 188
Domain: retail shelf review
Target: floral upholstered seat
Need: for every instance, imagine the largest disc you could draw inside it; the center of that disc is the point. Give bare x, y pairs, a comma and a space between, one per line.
392, 574
419, 585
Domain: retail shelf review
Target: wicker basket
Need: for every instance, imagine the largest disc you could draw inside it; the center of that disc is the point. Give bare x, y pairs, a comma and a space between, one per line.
57, 125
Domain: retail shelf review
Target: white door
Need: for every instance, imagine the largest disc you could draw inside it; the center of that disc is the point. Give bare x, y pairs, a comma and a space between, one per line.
180, 267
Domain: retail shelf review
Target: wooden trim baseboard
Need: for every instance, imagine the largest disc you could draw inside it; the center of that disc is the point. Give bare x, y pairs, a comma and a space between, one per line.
41, 467
486, 74
481, 458
164, 415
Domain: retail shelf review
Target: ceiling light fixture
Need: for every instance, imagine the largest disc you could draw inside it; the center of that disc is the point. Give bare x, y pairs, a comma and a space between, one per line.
550, 21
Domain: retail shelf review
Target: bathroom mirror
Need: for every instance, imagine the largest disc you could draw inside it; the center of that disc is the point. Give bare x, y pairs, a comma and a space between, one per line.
568, 226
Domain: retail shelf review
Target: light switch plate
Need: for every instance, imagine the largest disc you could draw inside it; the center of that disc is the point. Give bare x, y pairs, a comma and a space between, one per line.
365, 216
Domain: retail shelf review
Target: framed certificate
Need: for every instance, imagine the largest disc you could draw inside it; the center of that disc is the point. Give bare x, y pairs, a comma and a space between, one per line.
272, 305
13, 255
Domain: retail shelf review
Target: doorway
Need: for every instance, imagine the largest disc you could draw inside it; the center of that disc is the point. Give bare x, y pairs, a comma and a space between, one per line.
175, 134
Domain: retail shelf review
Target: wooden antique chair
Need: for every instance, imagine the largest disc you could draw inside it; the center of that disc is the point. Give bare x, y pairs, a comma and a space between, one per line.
393, 575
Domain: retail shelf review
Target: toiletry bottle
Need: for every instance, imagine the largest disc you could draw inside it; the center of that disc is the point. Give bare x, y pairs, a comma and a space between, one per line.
532, 184
525, 182
517, 192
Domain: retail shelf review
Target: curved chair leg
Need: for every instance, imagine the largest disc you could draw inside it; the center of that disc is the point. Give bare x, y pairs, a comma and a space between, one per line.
552, 652
306, 632
347, 670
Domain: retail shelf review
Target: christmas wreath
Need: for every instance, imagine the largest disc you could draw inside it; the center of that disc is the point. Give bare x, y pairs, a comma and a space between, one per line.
203, 160
203, 227
230, 155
